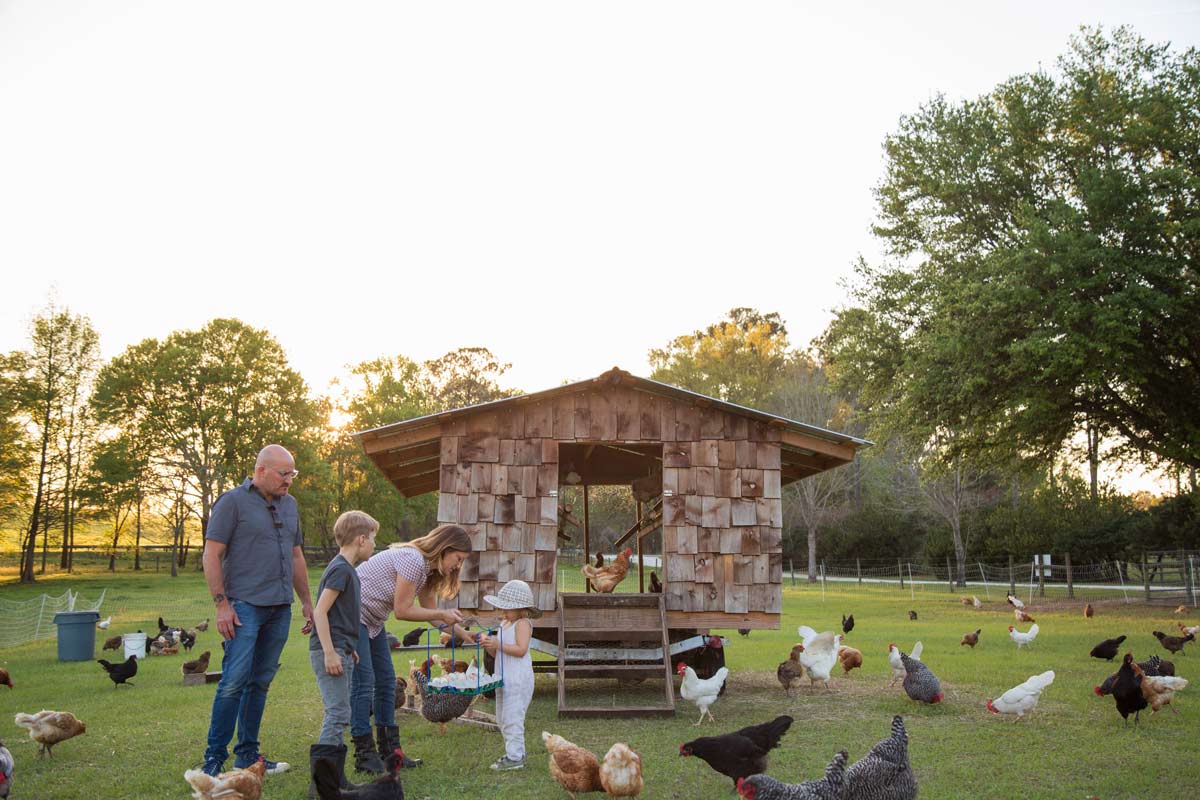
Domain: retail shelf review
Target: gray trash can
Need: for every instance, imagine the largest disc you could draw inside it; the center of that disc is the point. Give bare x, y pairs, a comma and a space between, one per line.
76, 635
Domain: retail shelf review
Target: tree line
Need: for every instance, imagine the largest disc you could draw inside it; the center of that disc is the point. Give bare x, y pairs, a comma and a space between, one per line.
1036, 311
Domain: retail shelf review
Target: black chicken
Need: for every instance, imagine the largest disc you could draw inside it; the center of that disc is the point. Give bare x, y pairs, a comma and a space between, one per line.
1127, 691
599, 562
655, 586
188, 640
847, 623
413, 637
122, 672
742, 753
912, 615
326, 779
1108, 648
1173, 643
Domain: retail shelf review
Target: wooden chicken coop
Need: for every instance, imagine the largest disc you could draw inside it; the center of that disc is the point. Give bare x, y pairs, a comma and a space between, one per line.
707, 473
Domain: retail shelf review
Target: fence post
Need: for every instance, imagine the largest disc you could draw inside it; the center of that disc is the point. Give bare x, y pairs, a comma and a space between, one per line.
156, 562
1070, 578
900, 572
949, 575
1041, 576
792, 569
983, 575
858, 566
37, 630
1191, 580
1146, 575
1012, 577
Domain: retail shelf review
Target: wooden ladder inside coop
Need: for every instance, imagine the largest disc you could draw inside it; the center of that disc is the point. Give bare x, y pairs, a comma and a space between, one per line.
588, 627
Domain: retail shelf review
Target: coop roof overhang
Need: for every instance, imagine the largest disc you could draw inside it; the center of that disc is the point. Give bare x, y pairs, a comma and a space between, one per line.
409, 452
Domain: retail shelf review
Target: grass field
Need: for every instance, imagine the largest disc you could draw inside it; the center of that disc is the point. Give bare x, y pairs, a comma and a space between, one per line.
140, 739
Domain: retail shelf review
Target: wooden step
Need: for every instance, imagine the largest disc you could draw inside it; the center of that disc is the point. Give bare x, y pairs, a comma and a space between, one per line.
616, 711
612, 670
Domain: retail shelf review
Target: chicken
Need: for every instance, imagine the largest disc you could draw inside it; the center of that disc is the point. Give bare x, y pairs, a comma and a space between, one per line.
439, 707
1022, 699
197, 667
1108, 648
819, 654
187, 639
7, 765
202, 626
1015, 601
605, 579
1127, 691
621, 771
975, 601
701, 691
1186, 629
574, 768
6, 678
919, 681
912, 616
655, 585
413, 637
48, 728
1173, 643
326, 781
1159, 690
762, 787
1023, 639
884, 772
1157, 666
849, 658
410, 689
113, 643
742, 753
122, 672
790, 673
1022, 616
847, 623
449, 666
971, 639
966, 601
104, 623
599, 559
1088, 611
1181, 609
743, 631
237, 784
897, 665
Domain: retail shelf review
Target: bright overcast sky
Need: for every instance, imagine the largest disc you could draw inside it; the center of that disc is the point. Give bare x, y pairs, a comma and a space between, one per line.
565, 183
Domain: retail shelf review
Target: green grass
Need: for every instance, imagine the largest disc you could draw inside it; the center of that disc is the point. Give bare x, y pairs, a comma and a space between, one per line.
140, 739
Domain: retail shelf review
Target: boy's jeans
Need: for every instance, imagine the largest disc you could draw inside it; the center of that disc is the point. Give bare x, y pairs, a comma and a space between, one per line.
335, 694
374, 680
250, 662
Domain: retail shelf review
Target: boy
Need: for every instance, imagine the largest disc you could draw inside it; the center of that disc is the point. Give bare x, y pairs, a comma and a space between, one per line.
331, 649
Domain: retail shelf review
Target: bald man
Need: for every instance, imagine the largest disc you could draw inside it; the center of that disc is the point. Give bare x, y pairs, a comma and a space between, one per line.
253, 560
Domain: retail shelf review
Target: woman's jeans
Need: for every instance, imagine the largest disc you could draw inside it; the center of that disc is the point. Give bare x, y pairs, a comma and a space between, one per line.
373, 681
250, 662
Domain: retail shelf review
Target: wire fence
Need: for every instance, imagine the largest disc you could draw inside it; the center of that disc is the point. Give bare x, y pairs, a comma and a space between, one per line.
24, 621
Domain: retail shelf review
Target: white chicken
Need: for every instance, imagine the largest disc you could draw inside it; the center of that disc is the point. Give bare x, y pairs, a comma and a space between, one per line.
819, 656
1015, 601
104, 623
898, 671
701, 692
1023, 639
1020, 700
975, 601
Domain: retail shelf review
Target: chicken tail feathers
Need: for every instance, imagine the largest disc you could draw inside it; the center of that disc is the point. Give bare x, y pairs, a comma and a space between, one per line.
325, 778
918, 648
835, 773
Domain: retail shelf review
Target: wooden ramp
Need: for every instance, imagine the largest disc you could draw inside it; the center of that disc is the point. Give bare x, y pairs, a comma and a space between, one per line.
596, 633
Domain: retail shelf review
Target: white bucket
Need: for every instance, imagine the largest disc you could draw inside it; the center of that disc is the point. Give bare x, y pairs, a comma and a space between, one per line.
135, 645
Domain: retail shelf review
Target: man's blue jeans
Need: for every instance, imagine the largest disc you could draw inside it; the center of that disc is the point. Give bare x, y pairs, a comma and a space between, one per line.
374, 678
250, 662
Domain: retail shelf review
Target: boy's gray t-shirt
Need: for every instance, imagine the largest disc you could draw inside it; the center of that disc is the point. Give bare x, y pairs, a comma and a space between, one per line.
343, 614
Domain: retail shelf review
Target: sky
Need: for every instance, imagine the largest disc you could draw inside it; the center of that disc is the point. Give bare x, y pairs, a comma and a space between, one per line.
568, 184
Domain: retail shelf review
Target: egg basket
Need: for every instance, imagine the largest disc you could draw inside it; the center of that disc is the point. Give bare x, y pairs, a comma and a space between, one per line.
480, 686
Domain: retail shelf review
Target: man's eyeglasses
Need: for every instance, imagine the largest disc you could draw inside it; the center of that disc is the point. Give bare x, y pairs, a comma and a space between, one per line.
287, 473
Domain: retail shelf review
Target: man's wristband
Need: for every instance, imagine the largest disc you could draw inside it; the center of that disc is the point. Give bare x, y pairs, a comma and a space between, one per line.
218, 598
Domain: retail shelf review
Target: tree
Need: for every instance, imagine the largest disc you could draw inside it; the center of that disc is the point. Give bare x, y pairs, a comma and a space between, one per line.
739, 359
1043, 263
115, 485
464, 377
16, 453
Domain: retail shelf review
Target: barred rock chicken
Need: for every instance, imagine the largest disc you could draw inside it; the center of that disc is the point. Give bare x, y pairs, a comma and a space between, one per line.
237, 784
113, 642
1022, 616
701, 691
1107, 649
849, 657
1127, 691
762, 787
1022, 699
439, 707
790, 673
742, 753
971, 639
621, 771
819, 655
48, 728
197, 667
919, 681
5, 678
6, 771
575, 769
1157, 666
1023, 639
883, 773
897, 665
605, 579
1173, 643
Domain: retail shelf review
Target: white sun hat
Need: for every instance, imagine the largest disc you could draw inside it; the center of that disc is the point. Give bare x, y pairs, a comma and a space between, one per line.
514, 594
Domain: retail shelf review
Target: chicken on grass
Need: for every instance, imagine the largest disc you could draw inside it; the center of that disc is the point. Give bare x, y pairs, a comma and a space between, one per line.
6, 771
1127, 691
762, 787
897, 665
742, 753
819, 655
237, 784
574, 768
327, 780
48, 728
1022, 699
621, 771
919, 681
5, 679
701, 691
884, 772
121, 672
1023, 639
790, 673
1107, 649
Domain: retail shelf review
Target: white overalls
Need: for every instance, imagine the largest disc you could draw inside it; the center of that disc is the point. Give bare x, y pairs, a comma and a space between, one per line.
512, 699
